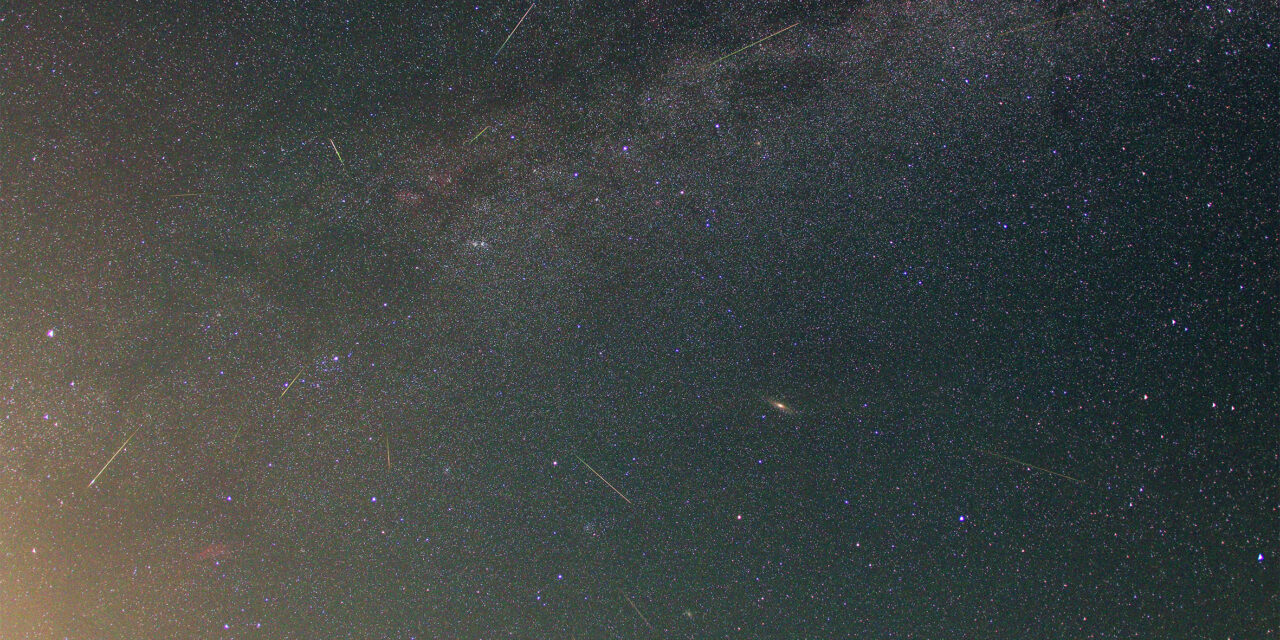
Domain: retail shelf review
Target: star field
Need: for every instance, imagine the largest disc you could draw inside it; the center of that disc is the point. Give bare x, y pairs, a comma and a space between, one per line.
913, 320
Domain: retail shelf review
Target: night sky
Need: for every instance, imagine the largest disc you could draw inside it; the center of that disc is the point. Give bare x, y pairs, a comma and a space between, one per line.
918, 319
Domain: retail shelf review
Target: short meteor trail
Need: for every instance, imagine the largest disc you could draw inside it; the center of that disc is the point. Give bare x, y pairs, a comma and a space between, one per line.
513, 31
335, 152
1032, 466
387, 439
295, 379
637, 610
737, 51
615, 489
113, 456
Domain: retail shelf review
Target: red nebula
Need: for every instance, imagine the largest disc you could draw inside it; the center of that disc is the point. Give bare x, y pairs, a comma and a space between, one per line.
212, 552
407, 197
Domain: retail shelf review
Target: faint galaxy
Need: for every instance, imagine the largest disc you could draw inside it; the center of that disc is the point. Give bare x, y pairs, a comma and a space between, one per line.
913, 320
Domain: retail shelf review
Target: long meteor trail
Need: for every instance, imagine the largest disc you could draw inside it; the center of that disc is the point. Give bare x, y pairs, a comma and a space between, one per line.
113, 456
513, 31
295, 379
1031, 466
737, 51
615, 489
637, 610
335, 152
477, 136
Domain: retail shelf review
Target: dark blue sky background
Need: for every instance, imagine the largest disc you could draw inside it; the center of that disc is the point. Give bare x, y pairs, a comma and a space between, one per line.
916, 320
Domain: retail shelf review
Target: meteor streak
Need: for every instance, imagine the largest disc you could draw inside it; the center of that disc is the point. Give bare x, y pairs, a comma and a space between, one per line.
615, 489
335, 152
113, 456
295, 379
1031, 466
513, 31
737, 51
637, 610
477, 136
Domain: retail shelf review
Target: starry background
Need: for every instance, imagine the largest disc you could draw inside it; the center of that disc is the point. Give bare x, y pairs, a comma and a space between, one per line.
917, 320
